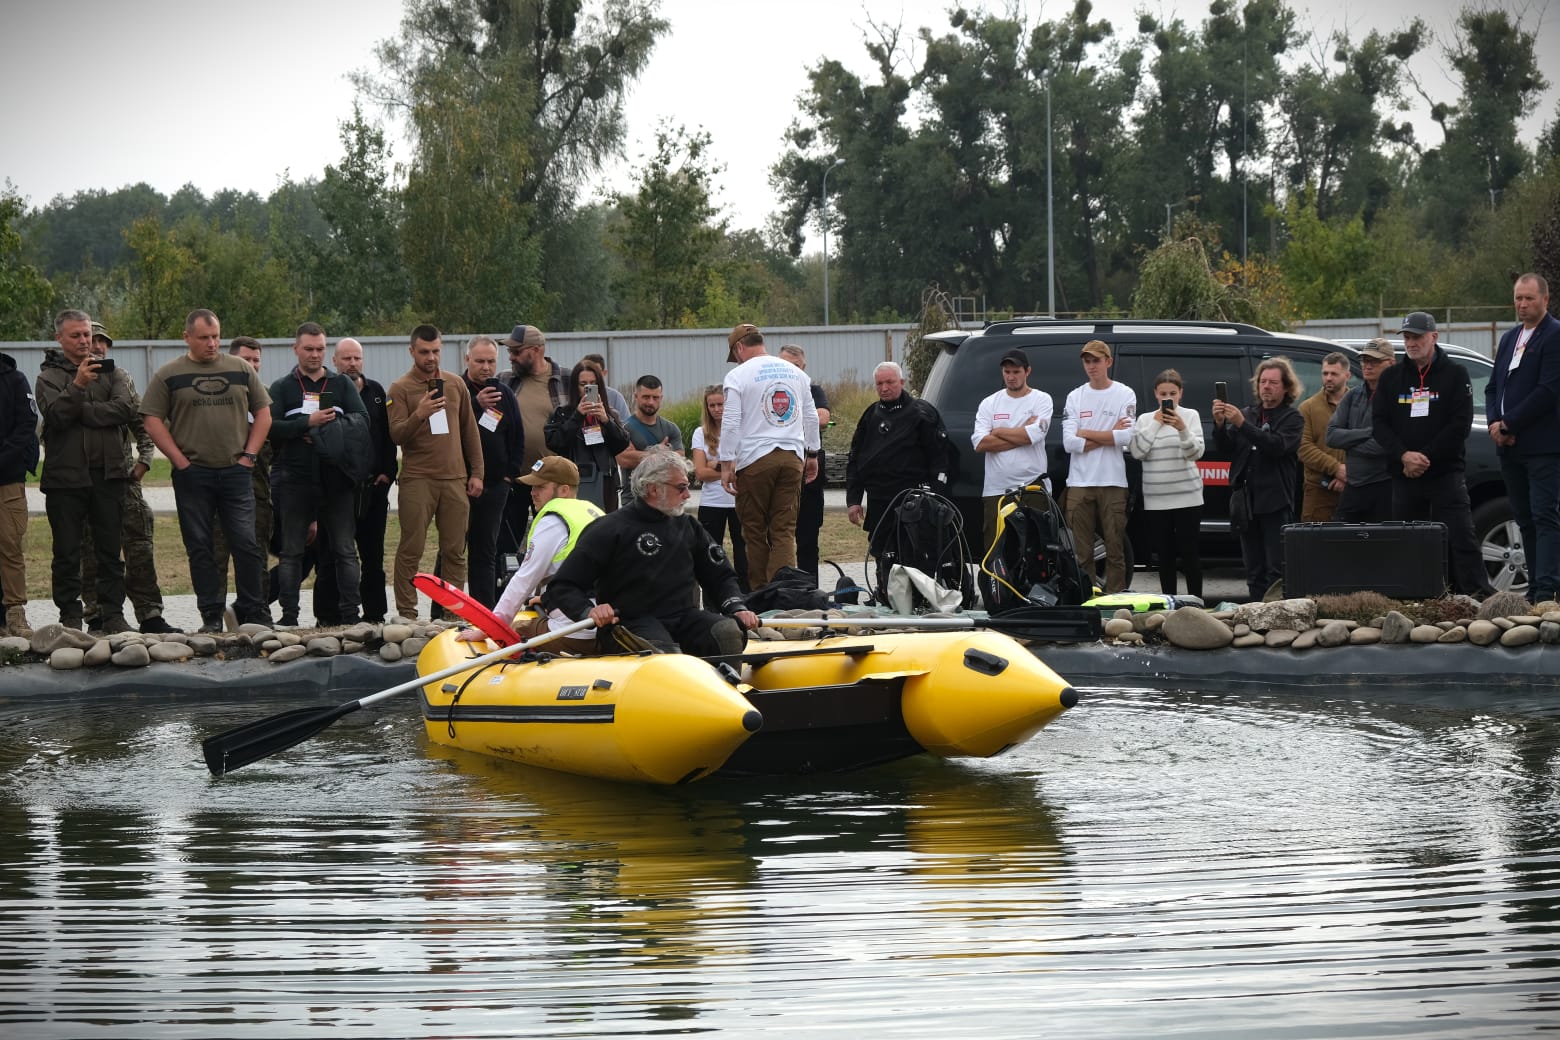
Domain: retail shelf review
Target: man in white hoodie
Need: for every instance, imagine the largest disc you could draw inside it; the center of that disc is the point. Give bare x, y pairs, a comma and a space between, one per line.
768, 447
1096, 428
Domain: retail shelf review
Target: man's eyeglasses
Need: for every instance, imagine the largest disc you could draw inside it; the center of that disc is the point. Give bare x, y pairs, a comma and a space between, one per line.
680, 488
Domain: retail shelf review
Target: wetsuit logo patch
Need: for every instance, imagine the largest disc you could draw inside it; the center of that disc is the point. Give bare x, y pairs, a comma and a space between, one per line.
648, 544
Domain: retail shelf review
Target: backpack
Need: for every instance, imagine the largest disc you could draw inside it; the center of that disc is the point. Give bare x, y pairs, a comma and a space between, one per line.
1031, 562
925, 531
791, 588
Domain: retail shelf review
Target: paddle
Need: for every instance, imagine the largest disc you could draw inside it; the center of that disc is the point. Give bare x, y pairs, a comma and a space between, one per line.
1061, 624
228, 751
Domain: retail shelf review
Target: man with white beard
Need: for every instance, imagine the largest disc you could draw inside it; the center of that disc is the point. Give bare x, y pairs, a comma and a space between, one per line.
645, 564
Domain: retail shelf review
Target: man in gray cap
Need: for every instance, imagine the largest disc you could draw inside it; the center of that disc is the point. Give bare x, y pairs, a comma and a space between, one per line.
1422, 412
1367, 493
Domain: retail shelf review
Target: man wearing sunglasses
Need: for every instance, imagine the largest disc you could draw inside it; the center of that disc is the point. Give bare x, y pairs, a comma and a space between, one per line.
638, 572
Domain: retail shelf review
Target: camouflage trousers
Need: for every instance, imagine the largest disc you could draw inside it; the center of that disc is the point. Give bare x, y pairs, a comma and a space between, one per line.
140, 563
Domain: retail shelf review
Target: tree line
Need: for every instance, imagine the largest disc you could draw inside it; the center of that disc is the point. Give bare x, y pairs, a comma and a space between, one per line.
1239, 166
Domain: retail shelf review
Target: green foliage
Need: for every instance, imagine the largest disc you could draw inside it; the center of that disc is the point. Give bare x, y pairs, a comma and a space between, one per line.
848, 402
1333, 268
936, 316
667, 234
1178, 283
25, 294
686, 414
359, 275
159, 269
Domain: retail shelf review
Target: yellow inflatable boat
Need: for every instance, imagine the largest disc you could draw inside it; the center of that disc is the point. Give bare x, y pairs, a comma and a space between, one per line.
801, 706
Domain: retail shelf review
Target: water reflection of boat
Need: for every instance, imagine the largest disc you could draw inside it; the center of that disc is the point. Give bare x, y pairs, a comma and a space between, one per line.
822, 705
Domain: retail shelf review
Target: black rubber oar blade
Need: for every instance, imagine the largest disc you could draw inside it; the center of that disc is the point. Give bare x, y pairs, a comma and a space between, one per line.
228, 751
1054, 624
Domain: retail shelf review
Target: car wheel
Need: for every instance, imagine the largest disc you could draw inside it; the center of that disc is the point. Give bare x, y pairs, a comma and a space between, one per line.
1500, 546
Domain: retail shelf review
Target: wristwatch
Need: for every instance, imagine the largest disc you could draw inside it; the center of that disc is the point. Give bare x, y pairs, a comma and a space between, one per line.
251, 456
812, 454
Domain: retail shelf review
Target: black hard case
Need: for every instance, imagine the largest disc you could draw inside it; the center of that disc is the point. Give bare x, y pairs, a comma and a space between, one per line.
1396, 559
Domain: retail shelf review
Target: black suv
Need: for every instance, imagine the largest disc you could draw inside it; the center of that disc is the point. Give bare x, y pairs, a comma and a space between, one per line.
967, 370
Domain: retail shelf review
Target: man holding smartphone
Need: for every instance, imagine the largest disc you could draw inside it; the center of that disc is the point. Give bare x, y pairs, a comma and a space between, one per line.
503, 449
85, 412
310, 490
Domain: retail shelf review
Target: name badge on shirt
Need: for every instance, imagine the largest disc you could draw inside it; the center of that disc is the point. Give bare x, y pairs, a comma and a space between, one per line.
311, 402
1419, 404
490, 419
438, 423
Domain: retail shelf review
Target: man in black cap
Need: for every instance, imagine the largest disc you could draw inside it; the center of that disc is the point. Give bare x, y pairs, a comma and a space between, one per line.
1421, 416
1010, 429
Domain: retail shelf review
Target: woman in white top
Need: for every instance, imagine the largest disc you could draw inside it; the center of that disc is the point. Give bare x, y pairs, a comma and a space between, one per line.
1169, 441
717, 509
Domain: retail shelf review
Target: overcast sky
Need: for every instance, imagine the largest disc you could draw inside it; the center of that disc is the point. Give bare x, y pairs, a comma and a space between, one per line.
104, 93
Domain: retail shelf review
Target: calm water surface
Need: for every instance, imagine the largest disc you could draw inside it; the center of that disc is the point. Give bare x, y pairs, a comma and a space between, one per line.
1154, 862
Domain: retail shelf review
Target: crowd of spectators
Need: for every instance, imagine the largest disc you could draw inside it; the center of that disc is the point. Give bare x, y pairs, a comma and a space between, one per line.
303, 468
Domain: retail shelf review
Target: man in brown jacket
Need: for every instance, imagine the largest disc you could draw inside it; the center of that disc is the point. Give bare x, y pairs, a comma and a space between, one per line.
1325, 475
432, 420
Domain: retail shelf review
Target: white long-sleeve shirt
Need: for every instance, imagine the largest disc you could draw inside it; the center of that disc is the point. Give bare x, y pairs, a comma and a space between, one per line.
1091, 409
769, 405
548, 537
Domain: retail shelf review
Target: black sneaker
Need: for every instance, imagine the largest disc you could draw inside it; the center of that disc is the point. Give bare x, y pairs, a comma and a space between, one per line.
107, 626
157, 625
288, 621
211, 626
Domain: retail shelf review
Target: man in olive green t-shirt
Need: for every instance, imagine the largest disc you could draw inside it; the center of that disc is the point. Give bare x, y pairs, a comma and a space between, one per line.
209, 414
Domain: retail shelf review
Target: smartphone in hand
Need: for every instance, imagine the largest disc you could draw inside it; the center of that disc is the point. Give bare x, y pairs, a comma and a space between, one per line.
1221, 391
104, 364
1167, 406
436, 387
327, 399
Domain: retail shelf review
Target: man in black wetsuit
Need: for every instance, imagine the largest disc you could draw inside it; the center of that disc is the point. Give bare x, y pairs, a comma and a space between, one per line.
644, 566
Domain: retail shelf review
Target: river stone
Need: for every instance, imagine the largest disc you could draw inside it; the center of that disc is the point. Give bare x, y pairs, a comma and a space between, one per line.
49, 638
1249, 639
413, 646
1364, 636
1455, 634
1241, 629
253, 628
289, 653
132, 655
351, 646
1549, 631
1504, 624
1425, 634
204, 646
289, 639
175, 637
170, 652
323, 646
1519, 635
269, 646
1222, 615
1482, 632
360, 633
1115, 627
1526, 619
1192, 628
67, 658
396, 633
1282, 637
1122, 614
98, 654
1154, 622
119, 640
1296, 614
392, 651
1348, 623
1446, 626
1551, 615
1395, 627
15, 645
1305, 640
1335, 633
1130, 639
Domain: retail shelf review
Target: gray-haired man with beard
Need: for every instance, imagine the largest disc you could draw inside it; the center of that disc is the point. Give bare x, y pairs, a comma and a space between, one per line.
644, 566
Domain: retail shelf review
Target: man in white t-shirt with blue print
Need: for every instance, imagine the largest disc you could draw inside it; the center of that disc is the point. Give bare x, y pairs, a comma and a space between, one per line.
1010, 429
1096, 428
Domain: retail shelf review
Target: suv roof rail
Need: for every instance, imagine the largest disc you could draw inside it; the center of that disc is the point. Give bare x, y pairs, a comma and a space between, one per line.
1107, 326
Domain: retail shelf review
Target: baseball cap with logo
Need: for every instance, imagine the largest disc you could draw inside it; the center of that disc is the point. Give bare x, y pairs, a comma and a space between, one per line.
1419, 322
526, 336
1380, 349
737, 335
552, 469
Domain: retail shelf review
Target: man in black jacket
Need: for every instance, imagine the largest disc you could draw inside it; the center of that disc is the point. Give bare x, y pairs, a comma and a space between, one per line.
503, 450
644, 566
308, 488
18, 457
1263, 442
372, 499
1421, 416
900, 443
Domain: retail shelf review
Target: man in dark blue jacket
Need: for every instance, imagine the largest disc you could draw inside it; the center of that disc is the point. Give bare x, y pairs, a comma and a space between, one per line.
310, 489
18, 457
1421, 416
1520, 405
503, 452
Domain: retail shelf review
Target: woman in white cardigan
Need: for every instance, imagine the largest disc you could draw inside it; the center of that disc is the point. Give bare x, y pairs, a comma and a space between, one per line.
1168, 441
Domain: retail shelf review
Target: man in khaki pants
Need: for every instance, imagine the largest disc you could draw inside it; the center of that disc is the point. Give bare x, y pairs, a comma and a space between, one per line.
431, 418
18, 457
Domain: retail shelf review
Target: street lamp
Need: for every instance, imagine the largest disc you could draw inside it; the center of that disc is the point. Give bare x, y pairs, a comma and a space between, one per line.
1171, 207
1050, 237
826, 170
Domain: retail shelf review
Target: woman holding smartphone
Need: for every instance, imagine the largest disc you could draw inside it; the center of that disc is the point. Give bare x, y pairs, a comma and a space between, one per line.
1168, 440
717, 508
590, 434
